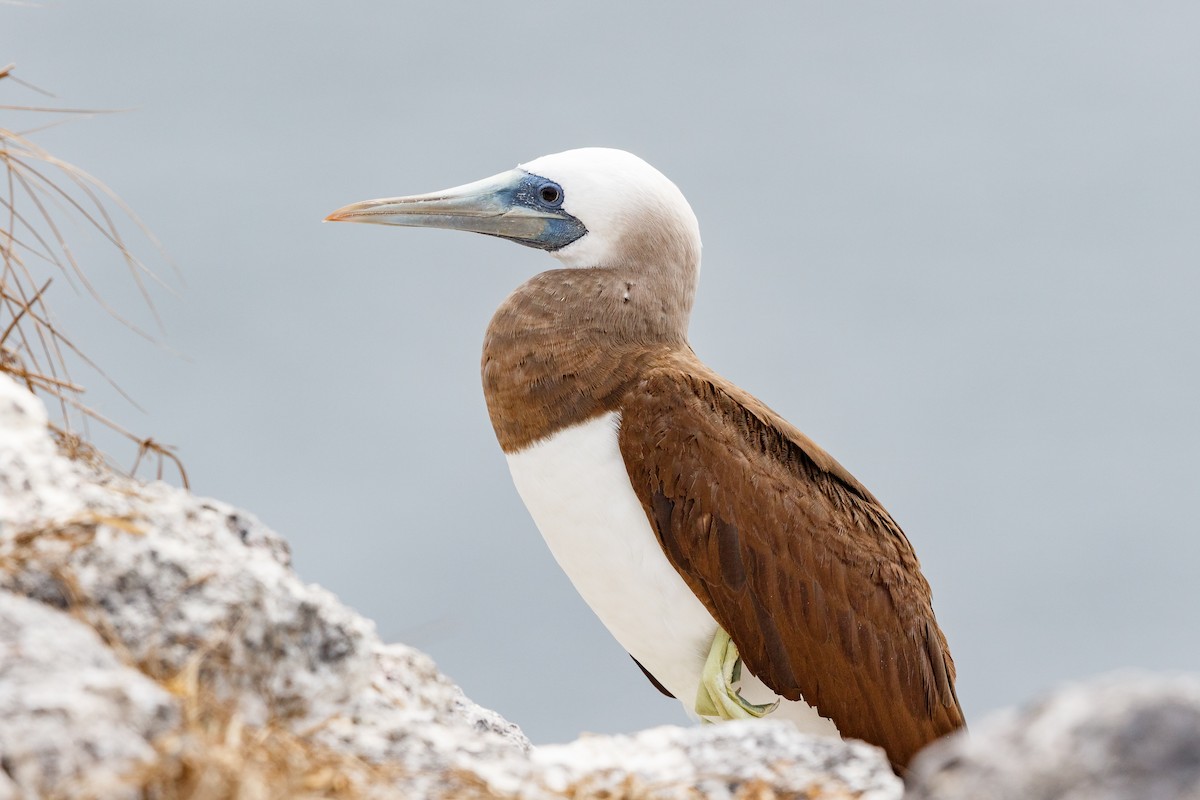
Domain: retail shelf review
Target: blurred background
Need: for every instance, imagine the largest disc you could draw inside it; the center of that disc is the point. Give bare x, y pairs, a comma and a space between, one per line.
957, 244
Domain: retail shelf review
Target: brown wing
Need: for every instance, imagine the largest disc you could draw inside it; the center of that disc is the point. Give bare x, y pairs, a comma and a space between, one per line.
812, 579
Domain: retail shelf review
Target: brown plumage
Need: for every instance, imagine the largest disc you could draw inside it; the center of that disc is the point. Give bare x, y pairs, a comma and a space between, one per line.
815, 583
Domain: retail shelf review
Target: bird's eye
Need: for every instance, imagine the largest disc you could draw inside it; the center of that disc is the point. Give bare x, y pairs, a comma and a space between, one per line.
551, 195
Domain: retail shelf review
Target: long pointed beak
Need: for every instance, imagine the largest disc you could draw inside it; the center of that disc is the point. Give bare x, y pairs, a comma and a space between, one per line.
501, 205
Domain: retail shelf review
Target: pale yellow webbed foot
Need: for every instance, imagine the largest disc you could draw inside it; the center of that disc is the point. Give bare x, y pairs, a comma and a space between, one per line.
716, 696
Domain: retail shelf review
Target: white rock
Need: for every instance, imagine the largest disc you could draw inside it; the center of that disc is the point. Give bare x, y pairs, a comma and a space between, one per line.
74, 720
723, 762
174, 578
1125, 736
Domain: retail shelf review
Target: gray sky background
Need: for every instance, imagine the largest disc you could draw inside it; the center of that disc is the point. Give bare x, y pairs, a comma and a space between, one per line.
955, 243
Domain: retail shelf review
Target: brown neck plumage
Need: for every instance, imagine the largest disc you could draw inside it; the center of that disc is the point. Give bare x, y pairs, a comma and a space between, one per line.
564, 346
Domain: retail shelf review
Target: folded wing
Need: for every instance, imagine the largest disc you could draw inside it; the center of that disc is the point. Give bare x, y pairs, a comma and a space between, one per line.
810, 576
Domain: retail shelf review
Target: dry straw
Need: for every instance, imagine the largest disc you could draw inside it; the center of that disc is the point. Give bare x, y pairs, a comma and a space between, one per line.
41, 196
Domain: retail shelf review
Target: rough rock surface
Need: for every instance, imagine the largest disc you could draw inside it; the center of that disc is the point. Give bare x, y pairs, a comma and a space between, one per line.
732, 760
71, 714
176, 581
1124, 736
186, 592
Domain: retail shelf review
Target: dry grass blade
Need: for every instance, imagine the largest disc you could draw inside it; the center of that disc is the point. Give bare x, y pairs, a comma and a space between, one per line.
215, 756
39, 195
6, 72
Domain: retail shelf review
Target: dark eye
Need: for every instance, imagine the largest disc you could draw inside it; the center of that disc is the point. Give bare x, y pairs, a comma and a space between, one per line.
551, 195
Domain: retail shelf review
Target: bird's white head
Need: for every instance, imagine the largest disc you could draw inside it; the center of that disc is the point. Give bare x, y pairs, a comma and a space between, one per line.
632, 212
591, 207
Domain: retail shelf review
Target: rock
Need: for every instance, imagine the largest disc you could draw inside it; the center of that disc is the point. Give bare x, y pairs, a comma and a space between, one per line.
179, 583
1125, 736
749, 759
74, 720
195, 662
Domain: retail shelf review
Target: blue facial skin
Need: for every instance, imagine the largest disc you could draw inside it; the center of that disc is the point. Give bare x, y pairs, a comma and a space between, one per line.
558, 231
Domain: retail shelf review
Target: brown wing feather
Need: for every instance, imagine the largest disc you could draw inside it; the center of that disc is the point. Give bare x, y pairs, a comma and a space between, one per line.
813, 580
650, 676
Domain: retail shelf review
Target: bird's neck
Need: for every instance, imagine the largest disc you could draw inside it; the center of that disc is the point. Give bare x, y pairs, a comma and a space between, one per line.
567, 343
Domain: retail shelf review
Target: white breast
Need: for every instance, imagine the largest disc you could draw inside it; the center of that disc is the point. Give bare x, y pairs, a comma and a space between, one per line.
577, 489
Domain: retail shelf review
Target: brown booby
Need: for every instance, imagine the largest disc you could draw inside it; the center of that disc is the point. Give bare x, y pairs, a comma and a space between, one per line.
704, 530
